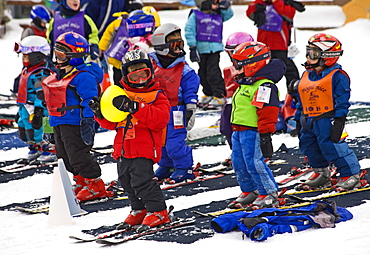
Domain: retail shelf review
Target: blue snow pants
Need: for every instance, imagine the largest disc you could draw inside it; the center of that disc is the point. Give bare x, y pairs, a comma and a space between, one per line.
176, 153
251, 171
316, 144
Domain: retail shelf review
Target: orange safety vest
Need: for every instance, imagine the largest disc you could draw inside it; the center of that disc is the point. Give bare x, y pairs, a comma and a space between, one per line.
317, 96
55, 92
170, 83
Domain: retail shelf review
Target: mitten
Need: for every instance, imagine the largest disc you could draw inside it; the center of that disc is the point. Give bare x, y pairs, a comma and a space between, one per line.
190, 116
297, 5
337, 129
87, 130
266, 145
124, 104
194, 54
224, 5
94, 51
37, 117
94, 105
259, 15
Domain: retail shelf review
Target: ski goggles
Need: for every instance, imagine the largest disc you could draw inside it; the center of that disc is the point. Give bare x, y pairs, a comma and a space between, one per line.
63, 56
19, 48
238, 64
177, 44
139, 76
315, 53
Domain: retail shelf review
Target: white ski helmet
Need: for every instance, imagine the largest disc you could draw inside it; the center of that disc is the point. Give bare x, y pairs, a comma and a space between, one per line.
33, 43
160, 35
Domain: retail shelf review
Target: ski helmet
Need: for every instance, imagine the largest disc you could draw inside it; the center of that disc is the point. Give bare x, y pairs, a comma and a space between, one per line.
136, 57
140, 23
251, 56
324, 47
36, 47
151, 10
204, 5
161, 44
40, 13
72, 48
237, 38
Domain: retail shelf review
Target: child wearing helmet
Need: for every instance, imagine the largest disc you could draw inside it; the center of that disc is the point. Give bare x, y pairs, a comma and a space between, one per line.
31, 110
181, 89
40, 16
230, 84
203, 33
67, 94
138, 141
323, 94
253, 120
71, 18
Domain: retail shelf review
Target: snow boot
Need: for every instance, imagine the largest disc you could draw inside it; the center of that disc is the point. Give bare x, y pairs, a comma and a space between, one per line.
180, 175
348, 183
162, 172
153, 219
266, 201
135, 217
33, 154
243, 200
80, 183
319, 179
95, 188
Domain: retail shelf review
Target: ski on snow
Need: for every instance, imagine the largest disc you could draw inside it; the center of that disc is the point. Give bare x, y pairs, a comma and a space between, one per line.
174, 224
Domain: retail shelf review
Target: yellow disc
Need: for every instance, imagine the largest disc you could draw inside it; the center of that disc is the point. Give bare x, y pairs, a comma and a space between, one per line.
109, 111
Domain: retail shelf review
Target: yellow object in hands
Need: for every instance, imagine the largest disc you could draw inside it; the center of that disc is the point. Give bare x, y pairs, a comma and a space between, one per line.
108, 110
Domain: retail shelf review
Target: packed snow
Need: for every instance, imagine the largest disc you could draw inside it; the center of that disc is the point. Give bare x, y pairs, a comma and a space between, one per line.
31, 234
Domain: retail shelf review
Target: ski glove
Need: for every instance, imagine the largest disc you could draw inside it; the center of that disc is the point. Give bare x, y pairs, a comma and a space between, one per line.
94, 105
87, 130
337, 129
194, 54
94, 51
266, 145
259, 15
38, 113
124, 103
297, 5
190, 116
224, 5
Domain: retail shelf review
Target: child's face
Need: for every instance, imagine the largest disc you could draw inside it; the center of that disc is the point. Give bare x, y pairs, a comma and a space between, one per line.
25, 59
73, 4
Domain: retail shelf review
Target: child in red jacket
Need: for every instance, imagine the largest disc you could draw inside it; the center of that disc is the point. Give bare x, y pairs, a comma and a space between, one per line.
138, 143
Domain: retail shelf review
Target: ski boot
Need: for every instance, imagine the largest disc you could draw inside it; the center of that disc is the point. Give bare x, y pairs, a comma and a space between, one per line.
265, 201
243, 200
348, 183
153, 219
204, 100
227, 162
80, 183
162, 173
180, 175
47, 157
319, 179
135, 217
215, 103
94, 188
33, 154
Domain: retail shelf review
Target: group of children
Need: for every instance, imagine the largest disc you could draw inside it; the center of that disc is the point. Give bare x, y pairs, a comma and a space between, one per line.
157, 92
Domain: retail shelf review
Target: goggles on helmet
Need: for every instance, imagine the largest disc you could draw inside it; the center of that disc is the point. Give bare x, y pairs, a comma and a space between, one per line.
315, 53
18, 48
230, 47
139, 76
238, 64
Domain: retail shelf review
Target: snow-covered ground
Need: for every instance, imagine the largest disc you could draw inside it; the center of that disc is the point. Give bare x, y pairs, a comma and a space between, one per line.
31, 234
